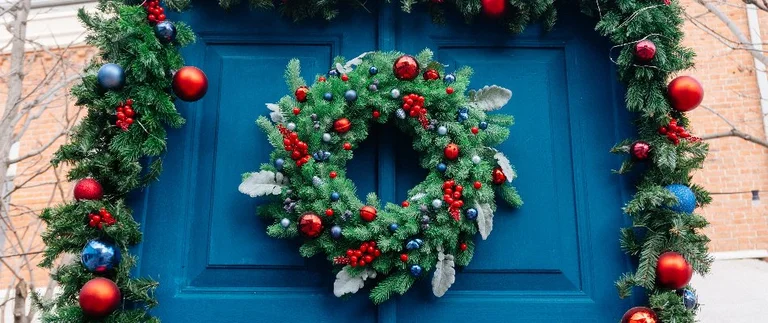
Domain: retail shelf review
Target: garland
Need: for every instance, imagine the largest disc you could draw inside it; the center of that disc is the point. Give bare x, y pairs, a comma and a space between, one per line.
126, 124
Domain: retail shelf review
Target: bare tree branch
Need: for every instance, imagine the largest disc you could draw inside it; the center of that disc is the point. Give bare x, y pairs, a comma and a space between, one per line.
735, 30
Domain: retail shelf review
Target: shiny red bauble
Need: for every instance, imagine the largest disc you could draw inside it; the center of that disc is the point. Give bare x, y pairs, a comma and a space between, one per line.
99, 297
310, 225
640, 150
673, 271
88, 189
640, 315
406, 68
493, 8
498, 176
301, 93
645, 51
451, 151
368, 213
342, 125
685, 93
190, 83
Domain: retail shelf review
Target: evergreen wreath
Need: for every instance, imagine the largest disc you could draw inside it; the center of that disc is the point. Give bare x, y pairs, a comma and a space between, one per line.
433, 228
125, 125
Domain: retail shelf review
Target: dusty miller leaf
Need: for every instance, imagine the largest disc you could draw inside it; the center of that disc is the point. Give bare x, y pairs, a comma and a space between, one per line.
346, 283
506, 166
262, 183
275, 114
418, 196
445, 274
490, 98
350, 65
484, 219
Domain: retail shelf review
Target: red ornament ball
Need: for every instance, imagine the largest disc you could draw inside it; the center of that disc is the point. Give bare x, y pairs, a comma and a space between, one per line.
404, 257
344, 77
301, 93
88, 189
478, 185
640, 315
190, 83
475, 130
645, 51
406, 68
463, 246
347, 146
332, 174
342, 125
376, 114
498, 176
451, 151
99, 297
640, 150
431, 75
329, 212
673, 271
449, 90
493, 8
368, 213
685, 93
406, 204
310, 225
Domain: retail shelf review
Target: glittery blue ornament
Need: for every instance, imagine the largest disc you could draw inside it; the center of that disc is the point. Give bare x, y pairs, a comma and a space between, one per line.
415, 270
100, 256
333, 72
483, 125
279, 163
463, 114
321, 155
336, 232
393, 227
411, 245
419, 241
449, 78
335, 196
350, 95
685, 197
165, 31
689, 298
441, 167
111, 77
471, 214
373, 70
328, 96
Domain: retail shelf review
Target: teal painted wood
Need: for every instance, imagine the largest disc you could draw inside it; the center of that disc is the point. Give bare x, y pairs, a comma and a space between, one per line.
553, 260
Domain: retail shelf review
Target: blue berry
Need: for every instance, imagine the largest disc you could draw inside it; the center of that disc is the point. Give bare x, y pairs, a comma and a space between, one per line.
416, 270
335, 196
328, 96
441, 167
393, 227
483, 125
373, 70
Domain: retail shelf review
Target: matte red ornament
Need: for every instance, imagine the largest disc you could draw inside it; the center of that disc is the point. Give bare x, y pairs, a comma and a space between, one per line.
404, 257
640, 150
640, 315
449, 90
347, 146
332, 174
368, 213
301, 93
645, 51
310, 225
685, 93
88, 189
99, 297
190, 83
431, 75
478, 185
463, 246
451, 151
673, 271
342, 125
493, 8
498, 176
329, 212
406, 68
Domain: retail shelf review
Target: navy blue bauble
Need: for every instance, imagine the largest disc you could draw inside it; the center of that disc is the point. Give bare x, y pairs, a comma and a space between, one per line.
689, 298
111, 77
335, 196
328, 96
393, 227
483, 125
165, 32
471, 214
463, 115
333, 72
350, 95
279, 163
411, 245
415, 270
685, 197
373, 70
449, 78
441, 167
100, 256
336, 232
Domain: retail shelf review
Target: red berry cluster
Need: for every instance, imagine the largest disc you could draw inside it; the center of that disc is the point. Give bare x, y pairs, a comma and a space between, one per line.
452, 194
363, 255
674, 132
125, 115
155, 13
414, 105
431, 75
101, 219
299, 149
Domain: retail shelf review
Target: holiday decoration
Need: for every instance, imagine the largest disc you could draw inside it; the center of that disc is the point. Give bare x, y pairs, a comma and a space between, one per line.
640, 315
155, 13
689, 298
685, 93
449, 79
310, 225
406, 68
165, 32
342, 125
301, 93
99, 297
493, 8
431, 74
88, 189
368, 213
645, 51
111, 77
125, 114
673, 271
640, 150
451, 151
686, 199
190, 83
674, 132
498, 176
101, 219
100, 256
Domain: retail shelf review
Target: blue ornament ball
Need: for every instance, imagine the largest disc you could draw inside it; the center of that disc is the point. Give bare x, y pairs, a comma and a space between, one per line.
449, 78
100, 256
328, 96
279, 163
373, 70
350, 95
689, 298
333, 72
685, 197
483, 125
411, 245
471, 214
393, 227
415, 270
285, 222
336, 232
111, 76
165, 32
441, 167
335, 196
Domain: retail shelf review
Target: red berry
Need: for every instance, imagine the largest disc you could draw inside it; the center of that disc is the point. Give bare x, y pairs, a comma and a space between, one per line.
120, 116
151, 18
129, 102
353, 263
459, 188
406, 204
448, 200
362, 263
353, 259
350, 253
377, 252
347, 146
321, 79
478, 185
358, 253
463, 246
404, 258
128, 112
449, 90
296, 111
368, 259
161, 17
663, 130
456, 195
344, 77
456, 204
333, 174
128, 120
376, 114
475, 130
372, 244
329, 212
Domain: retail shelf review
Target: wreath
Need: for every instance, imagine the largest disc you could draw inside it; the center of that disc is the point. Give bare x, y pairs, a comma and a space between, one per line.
396, 244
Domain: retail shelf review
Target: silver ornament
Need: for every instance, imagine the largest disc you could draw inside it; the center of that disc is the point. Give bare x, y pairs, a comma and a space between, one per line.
400, 113
317, 181
423, 208
442, 130
395, 93
285, 222
326, 137
437, 203
291, 126
476, 159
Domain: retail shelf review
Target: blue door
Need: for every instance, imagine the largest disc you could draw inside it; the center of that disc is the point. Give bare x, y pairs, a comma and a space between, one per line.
552, 260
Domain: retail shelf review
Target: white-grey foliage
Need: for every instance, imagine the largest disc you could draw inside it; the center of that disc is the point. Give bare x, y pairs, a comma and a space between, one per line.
262, 183
445, 273
490, 98
348, 284
484, 219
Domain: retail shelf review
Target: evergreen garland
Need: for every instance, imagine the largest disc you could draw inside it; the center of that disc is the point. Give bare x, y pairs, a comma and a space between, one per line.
115, 158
